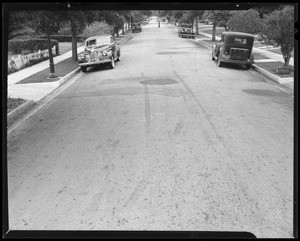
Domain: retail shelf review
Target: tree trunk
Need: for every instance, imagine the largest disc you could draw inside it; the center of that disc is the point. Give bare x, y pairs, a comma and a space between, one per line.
286, 53
116, 31
123, 32
197, 28
287, 60
214, 32
74, 42
51, 63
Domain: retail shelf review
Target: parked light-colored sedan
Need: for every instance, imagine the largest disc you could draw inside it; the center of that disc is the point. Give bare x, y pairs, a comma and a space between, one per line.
99, 50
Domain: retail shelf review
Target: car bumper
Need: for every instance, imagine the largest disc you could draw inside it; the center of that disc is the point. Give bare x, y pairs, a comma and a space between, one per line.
92, 63
187, 34
236, 61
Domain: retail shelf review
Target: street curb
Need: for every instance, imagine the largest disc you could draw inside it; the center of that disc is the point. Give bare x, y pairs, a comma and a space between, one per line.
123, 40
269, 75
203, 43
16, 113
69, 76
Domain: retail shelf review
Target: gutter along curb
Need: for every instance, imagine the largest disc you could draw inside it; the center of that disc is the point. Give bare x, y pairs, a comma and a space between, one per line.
19, 111
14, 115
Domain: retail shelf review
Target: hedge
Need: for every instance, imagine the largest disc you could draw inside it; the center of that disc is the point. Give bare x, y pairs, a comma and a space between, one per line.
16, 46
65, 38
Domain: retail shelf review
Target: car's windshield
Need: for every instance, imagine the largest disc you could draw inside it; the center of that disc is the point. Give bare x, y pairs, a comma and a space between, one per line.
240, 40
98, 42
186, 25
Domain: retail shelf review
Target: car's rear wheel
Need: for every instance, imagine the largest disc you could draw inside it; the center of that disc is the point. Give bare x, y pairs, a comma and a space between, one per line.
248, 66
83, 69
220, 64
118, 59
112, 63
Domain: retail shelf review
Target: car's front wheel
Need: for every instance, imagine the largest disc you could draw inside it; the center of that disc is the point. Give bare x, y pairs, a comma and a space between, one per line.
118, 59
83, 69
220, 64
112, 63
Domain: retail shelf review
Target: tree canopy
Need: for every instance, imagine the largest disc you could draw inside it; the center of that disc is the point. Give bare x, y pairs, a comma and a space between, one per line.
245, 21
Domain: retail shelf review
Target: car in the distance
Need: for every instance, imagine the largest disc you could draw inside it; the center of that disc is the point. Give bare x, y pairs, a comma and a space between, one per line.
185, 30
136, 27
234, 47
99, 50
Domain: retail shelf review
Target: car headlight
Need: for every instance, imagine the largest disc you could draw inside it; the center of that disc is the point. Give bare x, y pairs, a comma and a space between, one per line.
81, 56
104, 53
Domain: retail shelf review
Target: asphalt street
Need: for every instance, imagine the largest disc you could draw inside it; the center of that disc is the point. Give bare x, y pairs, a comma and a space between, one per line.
166, 140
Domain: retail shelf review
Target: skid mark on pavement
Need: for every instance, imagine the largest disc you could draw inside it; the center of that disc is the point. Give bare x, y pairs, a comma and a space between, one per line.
178, 128
207, 116
147, 104
237, 188
96, 200
138, 191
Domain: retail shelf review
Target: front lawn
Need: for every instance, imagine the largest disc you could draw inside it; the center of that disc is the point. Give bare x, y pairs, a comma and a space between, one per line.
272, 66
61, 69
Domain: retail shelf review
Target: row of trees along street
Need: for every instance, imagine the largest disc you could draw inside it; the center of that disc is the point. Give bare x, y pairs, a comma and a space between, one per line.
271, 22
274, 23
37, 23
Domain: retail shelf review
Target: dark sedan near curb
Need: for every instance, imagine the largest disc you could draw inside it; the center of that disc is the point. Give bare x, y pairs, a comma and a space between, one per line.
99, 50
136, 27
234, 47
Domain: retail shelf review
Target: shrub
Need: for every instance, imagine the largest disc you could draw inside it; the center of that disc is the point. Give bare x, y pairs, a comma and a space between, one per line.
260, 38
25, 52
16, 46
64, 38
279, 28
247, 21
28, 64
97, 28
23, 33
65, 31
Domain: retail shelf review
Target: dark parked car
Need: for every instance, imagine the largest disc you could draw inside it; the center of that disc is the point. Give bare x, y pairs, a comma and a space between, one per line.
99, 50
234, 47
185, 30
136, 27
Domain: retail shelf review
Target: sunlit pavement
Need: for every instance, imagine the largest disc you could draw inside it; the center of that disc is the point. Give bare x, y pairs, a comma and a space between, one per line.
165, 141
